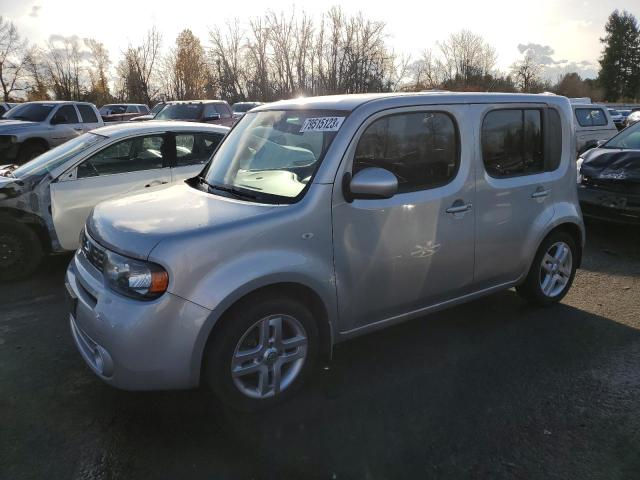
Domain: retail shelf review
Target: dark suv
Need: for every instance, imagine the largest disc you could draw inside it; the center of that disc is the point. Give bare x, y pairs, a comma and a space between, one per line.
206, 111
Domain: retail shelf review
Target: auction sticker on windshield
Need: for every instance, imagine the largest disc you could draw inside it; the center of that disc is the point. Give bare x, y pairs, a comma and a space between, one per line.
322, 124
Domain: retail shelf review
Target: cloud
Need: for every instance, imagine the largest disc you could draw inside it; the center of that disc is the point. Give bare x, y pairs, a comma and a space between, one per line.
35, 11
542, 54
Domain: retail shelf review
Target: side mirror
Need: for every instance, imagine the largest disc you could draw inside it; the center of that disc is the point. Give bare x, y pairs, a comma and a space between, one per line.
58, 118
370, 183
212, 117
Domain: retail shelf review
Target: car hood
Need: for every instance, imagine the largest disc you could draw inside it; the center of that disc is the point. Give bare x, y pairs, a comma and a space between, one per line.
135, 224
612, 165
9, 126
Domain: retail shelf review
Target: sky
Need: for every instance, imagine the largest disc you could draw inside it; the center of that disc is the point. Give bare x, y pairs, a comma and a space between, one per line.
565, 33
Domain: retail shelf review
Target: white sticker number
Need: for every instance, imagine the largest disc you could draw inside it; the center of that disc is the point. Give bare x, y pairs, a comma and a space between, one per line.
322, 124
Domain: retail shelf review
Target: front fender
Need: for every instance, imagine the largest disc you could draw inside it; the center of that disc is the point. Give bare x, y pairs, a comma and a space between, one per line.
229, 283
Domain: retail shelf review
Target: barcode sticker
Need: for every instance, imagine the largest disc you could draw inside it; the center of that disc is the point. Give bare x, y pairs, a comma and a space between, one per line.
322, 124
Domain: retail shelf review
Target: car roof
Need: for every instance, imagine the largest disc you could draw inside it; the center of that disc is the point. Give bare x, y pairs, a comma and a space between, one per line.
153, 126
58, 102
353, 101
195, 101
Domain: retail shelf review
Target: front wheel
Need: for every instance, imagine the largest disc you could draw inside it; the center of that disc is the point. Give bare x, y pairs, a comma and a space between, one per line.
20, 251
262, 352
552, 272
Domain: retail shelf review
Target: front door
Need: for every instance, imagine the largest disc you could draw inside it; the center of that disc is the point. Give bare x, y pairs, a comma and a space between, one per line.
119, 169
399, 255
67, 125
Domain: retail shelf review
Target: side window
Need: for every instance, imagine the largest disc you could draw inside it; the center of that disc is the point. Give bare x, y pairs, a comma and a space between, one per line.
591, 117
512, 143
132, 109
421, 149
68, 112
195, 148
131, 155
87, 114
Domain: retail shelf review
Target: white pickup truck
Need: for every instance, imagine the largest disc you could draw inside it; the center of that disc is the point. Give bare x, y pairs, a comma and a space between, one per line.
32, 128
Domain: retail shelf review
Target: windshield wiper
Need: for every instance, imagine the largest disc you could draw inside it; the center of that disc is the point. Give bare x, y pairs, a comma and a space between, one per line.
231, 190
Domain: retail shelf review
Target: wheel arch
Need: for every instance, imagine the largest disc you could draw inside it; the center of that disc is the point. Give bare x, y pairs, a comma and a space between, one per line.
31, 220
292, 289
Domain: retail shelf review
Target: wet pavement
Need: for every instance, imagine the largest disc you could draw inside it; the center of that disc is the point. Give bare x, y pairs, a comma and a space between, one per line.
491, 389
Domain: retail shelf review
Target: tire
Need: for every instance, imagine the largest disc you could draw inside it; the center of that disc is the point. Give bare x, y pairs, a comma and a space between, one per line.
250, 329
552, 272
29, 151
20, 251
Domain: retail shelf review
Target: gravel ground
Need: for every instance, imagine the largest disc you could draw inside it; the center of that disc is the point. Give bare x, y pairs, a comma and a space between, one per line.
491, 389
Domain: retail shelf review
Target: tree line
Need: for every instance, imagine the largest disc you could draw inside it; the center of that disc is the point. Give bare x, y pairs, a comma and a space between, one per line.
280, 55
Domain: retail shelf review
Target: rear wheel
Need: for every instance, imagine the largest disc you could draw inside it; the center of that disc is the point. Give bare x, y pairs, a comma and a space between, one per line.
262, 352
20, 251
552, 272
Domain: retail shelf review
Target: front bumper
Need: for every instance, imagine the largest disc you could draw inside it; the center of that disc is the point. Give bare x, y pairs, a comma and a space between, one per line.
609, 206
132, 344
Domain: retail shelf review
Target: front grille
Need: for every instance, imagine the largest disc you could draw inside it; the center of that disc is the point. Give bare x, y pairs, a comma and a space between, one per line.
92, 251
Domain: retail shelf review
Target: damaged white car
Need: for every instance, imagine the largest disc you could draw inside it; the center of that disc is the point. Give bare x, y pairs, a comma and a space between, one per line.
45, 203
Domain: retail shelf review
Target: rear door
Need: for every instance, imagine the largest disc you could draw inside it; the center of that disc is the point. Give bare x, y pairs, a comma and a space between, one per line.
193, 151
122, 168
88, 117
520, 150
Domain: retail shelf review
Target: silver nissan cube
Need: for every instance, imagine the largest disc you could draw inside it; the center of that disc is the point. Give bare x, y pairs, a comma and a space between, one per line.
321, 219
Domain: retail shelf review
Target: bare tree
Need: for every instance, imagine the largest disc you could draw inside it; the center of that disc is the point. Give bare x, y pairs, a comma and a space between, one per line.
227, 54
137, 71
12, 59
63, 60
257, 60
526, 73
467, 59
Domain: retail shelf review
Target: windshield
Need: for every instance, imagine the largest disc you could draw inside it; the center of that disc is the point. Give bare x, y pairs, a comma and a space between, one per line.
55, 157
157, 108
32, 112
628, 138
272, 156
180, 111
113, 109
243, 107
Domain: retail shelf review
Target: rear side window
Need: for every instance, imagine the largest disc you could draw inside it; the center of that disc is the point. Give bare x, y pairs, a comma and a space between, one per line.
223, 110
69, 114
195, 148
591, 117
512, 143
421, 149
87, 114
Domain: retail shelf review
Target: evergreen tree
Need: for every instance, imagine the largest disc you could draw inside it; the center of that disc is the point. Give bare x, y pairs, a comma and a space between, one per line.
620, 62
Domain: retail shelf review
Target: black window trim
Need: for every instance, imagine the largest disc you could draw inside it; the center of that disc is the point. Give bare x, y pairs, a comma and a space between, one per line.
404, 111
545, 134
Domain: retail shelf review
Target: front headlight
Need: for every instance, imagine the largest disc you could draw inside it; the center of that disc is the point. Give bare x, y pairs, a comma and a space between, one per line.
134, 278
579, 167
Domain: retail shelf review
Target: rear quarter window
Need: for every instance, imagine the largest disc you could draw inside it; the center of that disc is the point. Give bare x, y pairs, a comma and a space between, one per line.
591, 117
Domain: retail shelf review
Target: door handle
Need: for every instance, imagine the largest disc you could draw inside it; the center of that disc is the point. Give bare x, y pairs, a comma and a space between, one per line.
459, 207
540, 193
